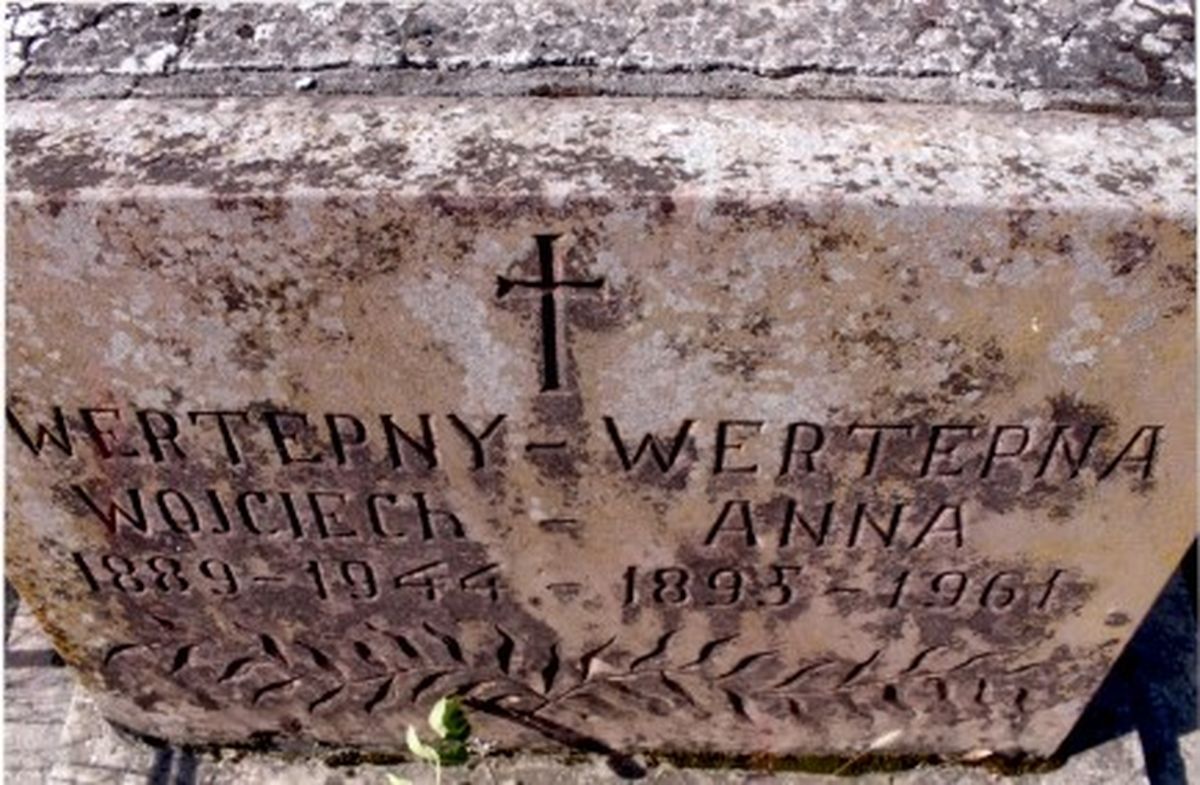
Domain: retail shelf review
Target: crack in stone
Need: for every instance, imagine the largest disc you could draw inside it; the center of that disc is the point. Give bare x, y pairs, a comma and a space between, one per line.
183, 40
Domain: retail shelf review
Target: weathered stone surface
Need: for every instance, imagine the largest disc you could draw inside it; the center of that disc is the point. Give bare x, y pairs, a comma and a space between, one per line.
1128, 56
762, 286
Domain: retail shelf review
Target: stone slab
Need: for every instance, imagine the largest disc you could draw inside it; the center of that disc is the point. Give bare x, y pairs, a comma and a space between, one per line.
844, 426
1129, 56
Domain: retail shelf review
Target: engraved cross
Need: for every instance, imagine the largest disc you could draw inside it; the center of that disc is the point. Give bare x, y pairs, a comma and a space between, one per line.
547, 284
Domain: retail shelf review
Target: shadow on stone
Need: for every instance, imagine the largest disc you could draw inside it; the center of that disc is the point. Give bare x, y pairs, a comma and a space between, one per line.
1152, 687
623, 766
11, 603
173, 766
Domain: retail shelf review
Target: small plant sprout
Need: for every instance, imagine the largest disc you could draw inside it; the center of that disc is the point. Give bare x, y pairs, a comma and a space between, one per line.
879, 743
449, 722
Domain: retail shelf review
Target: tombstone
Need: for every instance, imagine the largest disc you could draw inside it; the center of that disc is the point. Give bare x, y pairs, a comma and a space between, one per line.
733, 426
